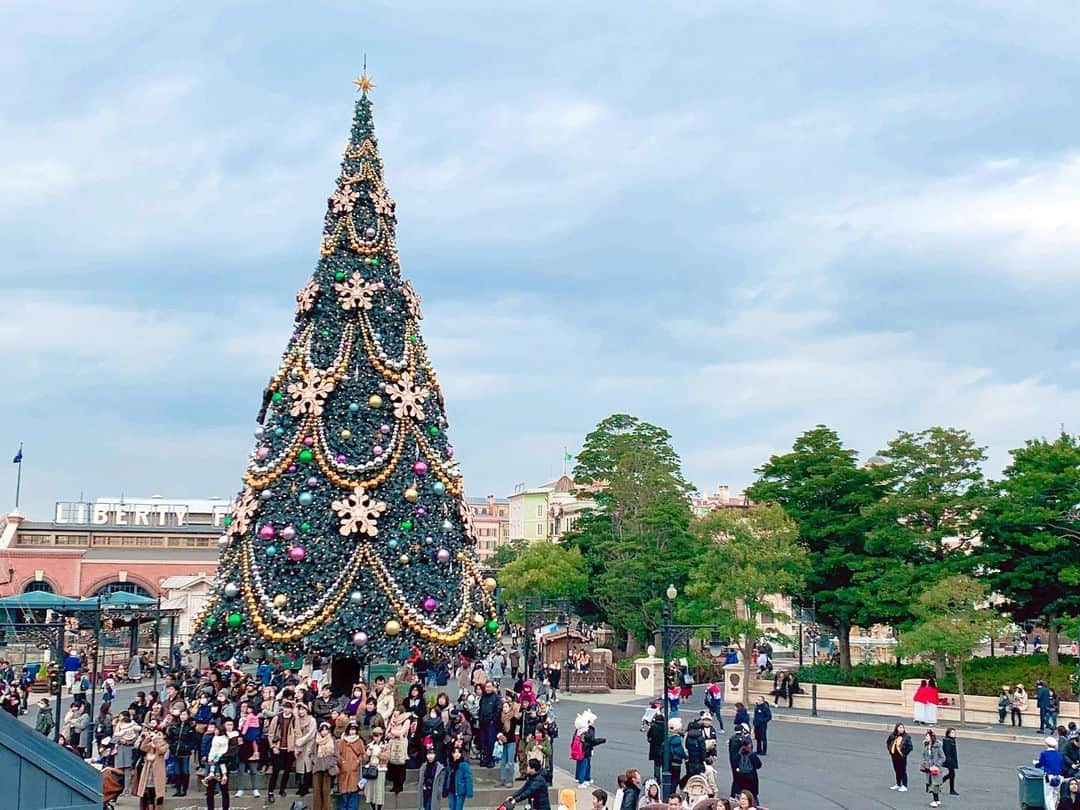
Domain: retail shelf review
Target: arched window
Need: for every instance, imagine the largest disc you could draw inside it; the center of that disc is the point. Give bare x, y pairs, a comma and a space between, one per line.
122, 587
38, 585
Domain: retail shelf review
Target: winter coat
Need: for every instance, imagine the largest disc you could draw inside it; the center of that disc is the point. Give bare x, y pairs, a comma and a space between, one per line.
1042, 697
589, 741
695, 749
1019, 699
631, 795
656, 735
933, 756
155, 749
906, 746
284, 740
45, 721
676, 752
458, 780
535, 790
436, 786
351, 756
306, 729
742, 717
182, 738
762, 714
948, 745
490, 708
366, 722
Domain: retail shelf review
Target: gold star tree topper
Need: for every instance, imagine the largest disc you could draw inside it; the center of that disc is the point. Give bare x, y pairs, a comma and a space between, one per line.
363, 82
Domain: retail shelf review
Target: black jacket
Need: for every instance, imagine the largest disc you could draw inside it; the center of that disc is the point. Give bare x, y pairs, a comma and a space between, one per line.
656, 735
631, 794
324, 708
589, 741
906, 746
490, 708
762, 714
695, 746
182, 738
535, 790
948, 745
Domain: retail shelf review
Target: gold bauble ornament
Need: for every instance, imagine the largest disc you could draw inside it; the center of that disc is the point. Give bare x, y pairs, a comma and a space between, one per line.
478, 619
412, 495
280, 601
392, 627
374, 401
346, 434
490, 584
404, 559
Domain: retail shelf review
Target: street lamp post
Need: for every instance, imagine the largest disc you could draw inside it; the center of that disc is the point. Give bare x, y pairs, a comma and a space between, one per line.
813, 633
670, 636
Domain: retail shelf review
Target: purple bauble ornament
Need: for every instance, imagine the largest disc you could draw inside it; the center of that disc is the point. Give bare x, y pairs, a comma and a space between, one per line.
313, 481
420, 511
419, 466
369, 232
267, 531
384, 430
359, 638
297, 553
309, 440
262, 453
449, 451
340, 458
443, 555
292, 468
288, 533
377, 451
429, 604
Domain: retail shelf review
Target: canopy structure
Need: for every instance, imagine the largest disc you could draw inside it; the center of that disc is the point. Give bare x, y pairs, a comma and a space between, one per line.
116, 600
40, 600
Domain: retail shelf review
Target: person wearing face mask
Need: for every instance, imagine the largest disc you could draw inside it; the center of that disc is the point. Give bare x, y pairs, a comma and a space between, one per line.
324, 767
433, 729
355, 704
306, 729
351, 755
429, 782
282, 737
183, 740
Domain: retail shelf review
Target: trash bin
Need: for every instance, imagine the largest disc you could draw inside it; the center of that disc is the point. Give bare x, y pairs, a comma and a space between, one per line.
1030, 787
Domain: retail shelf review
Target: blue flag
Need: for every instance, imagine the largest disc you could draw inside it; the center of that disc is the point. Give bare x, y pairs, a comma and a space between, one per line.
18, 457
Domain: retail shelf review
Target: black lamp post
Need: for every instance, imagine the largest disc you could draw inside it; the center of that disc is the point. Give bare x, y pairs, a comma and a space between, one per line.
538, 610
671, 635
813, 633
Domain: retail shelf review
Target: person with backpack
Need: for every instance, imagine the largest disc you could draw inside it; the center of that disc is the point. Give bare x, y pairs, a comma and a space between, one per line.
581, 747
695, 749
746, 765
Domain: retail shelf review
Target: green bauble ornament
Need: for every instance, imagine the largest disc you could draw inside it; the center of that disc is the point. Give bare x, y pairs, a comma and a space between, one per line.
492, 626
306, 456
433, 431
235, 620
339, 275
406, 524
414, 338
227, 521
305, 526
210, 621
277, 396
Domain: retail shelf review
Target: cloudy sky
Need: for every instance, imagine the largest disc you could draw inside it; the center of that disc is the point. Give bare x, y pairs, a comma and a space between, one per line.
733, 219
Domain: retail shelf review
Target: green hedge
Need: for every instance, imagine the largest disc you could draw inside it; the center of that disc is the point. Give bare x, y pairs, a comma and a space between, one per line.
982, 676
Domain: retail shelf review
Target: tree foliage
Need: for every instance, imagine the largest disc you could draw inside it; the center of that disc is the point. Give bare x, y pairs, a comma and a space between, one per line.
953, 618
636, 541
746, 556
544, 570
1030, 527
819, 485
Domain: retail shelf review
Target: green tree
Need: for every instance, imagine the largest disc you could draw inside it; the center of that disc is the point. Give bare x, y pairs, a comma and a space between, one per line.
923, 527
351, 535
746, 556
953, 618
544, 570
636, 540
1029, 530
506, 553
819, 485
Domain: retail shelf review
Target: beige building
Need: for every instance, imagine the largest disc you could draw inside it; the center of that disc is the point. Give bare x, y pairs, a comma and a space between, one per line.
548, 511
491, 523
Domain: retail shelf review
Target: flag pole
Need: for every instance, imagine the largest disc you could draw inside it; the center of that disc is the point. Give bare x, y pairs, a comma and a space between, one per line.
18, 477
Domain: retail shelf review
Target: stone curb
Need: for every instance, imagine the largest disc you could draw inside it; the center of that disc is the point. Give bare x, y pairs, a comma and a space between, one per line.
886, 726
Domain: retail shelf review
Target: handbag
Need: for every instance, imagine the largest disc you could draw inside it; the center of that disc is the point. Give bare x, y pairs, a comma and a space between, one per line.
171, 768
370, 772
399, 751
497, 750
333, 770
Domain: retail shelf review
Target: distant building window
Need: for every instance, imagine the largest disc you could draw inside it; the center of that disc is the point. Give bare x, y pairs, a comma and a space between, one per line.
539, 510
122, 587
38, 585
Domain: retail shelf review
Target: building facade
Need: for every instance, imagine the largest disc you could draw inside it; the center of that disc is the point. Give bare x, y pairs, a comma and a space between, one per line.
721, 499
138, 545
546, 512
491, 523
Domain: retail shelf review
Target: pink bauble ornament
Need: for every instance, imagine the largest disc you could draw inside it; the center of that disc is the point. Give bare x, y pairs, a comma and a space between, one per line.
420, 511
297, 553
267, 531
449, 451
419, 467
309, 440
292, 468
313, 481
443, 555
288, 533
359, 638
262, 453
429, 604
377, 451
384, 430
340, 458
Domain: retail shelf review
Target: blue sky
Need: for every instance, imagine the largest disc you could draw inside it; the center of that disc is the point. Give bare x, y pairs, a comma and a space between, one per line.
732, 219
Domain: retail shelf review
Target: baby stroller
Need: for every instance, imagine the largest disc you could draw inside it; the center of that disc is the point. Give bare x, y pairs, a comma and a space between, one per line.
112, 785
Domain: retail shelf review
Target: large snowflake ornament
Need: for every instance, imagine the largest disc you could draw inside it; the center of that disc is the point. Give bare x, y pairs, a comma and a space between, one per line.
359, 513
408, 397
342, 200
309, 394
306, 295
466, 518
412, 300
356, 292
384, 204
243, 512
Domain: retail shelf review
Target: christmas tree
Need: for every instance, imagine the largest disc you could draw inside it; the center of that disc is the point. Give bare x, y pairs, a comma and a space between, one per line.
352, 536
